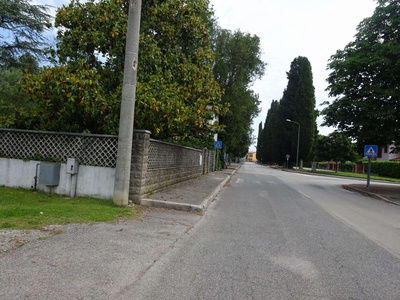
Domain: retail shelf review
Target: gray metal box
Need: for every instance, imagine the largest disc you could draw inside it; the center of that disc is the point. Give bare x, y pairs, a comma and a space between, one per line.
49, 174
72, 166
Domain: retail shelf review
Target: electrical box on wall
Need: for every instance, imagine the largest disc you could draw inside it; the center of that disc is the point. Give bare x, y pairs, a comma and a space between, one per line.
72, 166
49, 174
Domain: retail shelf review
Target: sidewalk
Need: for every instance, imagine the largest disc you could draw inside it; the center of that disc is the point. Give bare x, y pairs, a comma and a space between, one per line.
193, 194
103, 260
389, 193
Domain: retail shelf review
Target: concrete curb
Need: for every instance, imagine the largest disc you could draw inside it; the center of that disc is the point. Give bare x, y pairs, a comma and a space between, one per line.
211, 197
369, 194
171, 205
189, 207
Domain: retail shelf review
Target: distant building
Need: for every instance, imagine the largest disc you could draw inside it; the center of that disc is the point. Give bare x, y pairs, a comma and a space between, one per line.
384, 153
251, 157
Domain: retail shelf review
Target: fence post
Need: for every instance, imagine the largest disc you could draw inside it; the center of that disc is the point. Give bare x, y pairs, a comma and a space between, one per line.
139, 163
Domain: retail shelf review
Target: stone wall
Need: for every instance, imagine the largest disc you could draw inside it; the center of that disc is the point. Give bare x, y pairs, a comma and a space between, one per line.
156, 165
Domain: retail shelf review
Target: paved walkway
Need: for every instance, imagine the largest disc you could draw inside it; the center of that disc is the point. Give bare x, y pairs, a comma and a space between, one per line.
389, 193
194, 194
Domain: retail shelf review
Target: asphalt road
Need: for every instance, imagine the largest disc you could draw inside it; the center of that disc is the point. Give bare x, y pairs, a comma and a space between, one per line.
281, 235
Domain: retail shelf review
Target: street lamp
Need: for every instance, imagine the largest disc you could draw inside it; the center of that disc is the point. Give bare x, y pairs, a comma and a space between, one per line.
298, 141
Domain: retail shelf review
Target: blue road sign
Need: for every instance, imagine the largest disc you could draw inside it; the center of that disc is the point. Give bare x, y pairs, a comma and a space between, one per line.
371, 150
218, 145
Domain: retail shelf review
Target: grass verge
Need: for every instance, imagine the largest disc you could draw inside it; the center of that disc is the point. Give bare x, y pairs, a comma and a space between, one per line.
350, 174
27, 209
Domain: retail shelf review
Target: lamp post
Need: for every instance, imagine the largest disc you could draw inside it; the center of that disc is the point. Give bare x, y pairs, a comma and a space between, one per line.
298, 140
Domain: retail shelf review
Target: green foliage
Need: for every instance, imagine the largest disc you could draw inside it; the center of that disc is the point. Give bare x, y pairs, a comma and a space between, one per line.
347, 167
21, 30
365, 79
176, 92
297, 104
260, 144
335, 147
237, 65
11, 96
338, 167
93, 32
67, 100
178, 88
385, 168
270, 136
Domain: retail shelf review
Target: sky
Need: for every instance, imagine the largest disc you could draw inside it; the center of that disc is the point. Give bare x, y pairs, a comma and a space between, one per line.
287, 29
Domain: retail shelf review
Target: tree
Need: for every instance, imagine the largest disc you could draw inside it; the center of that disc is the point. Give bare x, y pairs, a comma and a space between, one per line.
298, 105
21, 30
260, 143
68, 101
271, 135
176, 93
237, 65
365, 80
9, 93
11, 97
179, 68
336, 147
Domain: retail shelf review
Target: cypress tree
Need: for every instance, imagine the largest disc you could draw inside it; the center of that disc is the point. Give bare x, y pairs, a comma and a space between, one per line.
279, 137
271, 136
260, 142
298, 105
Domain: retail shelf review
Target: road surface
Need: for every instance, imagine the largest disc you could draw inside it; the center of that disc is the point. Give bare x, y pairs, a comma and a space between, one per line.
281, 235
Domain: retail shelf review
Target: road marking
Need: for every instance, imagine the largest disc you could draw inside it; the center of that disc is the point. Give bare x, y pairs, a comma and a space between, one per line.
305, 195
306, 175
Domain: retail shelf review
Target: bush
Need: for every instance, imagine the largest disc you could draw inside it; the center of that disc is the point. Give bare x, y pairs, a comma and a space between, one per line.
385, 168
322, 165
347, 167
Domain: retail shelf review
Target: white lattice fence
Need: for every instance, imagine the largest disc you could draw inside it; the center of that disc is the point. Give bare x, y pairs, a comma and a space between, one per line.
93, 150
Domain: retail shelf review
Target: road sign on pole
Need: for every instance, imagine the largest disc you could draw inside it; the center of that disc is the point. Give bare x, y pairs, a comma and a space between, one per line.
371, 150
218, 144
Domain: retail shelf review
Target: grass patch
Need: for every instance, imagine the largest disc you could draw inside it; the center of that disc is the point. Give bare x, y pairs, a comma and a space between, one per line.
350, 174
27, 209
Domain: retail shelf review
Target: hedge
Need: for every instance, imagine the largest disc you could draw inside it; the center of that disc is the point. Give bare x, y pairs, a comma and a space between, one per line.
343, 167
389, 169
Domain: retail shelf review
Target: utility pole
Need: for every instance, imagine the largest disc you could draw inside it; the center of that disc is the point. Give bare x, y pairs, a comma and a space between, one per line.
123, 167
